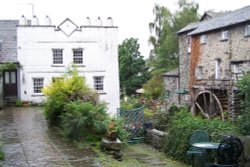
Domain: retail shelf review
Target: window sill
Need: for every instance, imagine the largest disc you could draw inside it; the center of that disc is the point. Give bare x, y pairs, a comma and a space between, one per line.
79, 65
37, 94
57, 65
247, 36
224, 40
101, 92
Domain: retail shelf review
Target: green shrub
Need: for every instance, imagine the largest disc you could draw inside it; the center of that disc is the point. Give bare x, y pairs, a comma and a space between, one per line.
1, 156
1, 153
243, 120
181, 126
84, 119
130, 103
70, 87
117, 125
154, 88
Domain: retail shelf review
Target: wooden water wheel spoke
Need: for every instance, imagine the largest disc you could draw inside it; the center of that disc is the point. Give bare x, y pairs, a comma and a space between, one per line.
205, 102
211, 103
205, 114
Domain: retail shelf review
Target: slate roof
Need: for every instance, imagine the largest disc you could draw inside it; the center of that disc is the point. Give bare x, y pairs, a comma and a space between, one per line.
235, 17
189, 27
8, 41
212, 14
173, 73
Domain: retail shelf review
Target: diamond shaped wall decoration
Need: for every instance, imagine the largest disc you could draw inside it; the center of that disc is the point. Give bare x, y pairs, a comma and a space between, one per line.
67, 27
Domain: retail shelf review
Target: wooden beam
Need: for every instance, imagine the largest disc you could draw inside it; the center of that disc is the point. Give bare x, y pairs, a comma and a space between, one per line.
202, 111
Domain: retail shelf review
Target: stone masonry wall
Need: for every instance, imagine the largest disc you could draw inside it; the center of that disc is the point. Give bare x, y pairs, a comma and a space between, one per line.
240, 44
245, 158
155, 138
171, 85
184, 65
237, 47
8, 41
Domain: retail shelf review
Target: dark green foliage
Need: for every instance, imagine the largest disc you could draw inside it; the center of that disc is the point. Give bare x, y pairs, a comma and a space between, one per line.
1, 155
132, 67
1, 152
9, 66
243, 120
164, 39
154, 88
82, 119
118, 128
130, 103
182, 124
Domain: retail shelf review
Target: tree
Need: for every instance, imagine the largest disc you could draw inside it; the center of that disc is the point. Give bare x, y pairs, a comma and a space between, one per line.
244, 118
132, 66
164, 56
161, 20
154, 88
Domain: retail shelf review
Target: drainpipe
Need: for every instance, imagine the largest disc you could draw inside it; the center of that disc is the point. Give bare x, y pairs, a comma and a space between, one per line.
179, 78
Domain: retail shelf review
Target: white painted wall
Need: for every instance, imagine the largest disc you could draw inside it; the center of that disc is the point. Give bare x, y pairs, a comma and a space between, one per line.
100, 58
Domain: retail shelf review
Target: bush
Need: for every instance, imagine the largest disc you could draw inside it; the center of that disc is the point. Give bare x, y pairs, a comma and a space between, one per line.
117, 125
154, 88
130, 103
181, 126
84, 119
70, 87
1, 155
1, 152
243, 121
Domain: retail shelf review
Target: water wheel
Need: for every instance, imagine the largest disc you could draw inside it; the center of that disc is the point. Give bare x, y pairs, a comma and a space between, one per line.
208, 104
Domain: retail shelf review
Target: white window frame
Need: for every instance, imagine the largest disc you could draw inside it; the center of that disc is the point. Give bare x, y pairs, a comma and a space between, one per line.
203, 39
224, 35
57, 56
189, 41
217, 68
38, 84
78, 56
99, 83
247, 30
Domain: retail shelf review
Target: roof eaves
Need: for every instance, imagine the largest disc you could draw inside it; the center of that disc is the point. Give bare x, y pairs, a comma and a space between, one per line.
189, 27
233, 18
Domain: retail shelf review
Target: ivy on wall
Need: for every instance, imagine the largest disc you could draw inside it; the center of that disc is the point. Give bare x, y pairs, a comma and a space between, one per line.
8, 66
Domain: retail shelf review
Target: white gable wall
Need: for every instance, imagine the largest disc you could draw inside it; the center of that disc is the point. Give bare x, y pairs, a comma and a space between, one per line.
100, 58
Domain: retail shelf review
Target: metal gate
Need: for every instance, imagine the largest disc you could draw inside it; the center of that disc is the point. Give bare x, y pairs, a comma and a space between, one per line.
134, 121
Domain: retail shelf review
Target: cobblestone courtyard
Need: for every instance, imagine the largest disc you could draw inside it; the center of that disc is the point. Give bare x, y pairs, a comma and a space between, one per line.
28, 142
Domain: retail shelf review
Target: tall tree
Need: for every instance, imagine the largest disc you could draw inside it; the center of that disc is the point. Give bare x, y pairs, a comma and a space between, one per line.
132, 66
164, 55
161, 20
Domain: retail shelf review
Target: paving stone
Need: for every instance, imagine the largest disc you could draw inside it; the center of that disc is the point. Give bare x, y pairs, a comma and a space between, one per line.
28, 142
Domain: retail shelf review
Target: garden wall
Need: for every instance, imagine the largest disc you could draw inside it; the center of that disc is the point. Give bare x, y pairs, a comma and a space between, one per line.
246, 153
156, 138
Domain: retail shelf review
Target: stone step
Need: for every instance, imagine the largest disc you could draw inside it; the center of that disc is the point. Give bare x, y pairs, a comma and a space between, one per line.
10, 101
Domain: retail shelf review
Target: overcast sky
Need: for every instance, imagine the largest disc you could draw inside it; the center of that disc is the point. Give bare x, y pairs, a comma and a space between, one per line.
131, 16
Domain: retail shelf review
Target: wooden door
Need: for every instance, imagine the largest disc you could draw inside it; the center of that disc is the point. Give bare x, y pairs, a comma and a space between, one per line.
10, 83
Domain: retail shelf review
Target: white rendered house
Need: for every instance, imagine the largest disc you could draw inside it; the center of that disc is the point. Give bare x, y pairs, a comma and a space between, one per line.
45, 51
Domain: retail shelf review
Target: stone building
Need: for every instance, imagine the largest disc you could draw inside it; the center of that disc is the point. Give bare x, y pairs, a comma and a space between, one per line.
44, 51
171, 82
213, 54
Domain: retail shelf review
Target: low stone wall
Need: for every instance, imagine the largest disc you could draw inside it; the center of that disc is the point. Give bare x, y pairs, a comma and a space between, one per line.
155, 138
245, 159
